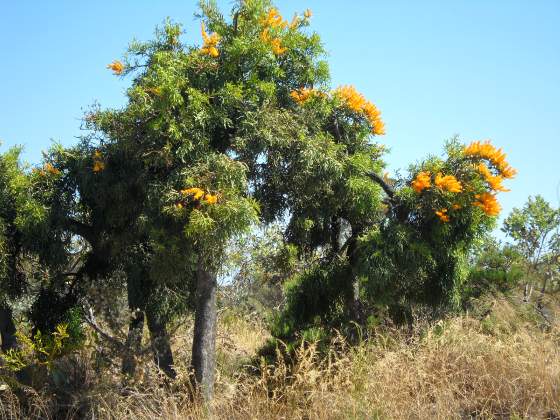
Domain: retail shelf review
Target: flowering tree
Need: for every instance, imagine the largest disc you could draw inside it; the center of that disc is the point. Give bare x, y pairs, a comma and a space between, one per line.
415, 255
183, 151
246, 121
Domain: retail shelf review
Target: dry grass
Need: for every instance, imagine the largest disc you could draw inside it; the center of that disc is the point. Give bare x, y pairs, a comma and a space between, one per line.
501, 367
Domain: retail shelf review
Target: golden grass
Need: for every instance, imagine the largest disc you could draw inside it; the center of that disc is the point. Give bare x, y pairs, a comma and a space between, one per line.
500, 367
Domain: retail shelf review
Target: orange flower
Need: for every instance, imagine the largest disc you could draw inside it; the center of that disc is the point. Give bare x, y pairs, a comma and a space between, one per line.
51, 169
154, 90
495, 181
448, 183
421, 182
210, 42
488, 203
197, 193
98, 164
485, 150
442, 214
457, 206
308, 13
277, 47
356, 102
301, 95
116, 66
211, 199
274, 20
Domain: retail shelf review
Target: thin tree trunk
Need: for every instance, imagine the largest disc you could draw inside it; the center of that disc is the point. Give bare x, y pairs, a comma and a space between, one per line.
356, 307
7, 328
526, 293
163, 356
133, 342
540, 300
204, 338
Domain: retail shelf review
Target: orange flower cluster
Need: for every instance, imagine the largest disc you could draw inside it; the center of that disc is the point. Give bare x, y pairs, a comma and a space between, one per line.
98, 164
448, 183
422, 181
301, 95
210, 42
485, 150
273, 20
308, 13
494, 181
51, 169
116, 66
443, 216
197, 194
358, 103
277, 47
488, 203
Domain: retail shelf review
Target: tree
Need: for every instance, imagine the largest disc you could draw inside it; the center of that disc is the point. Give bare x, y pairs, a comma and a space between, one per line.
100, 196
535, 231
494, 266
29, 253
415, 255
248, 116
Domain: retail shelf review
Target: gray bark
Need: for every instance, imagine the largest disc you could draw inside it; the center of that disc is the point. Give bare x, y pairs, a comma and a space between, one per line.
204, 338
355, 303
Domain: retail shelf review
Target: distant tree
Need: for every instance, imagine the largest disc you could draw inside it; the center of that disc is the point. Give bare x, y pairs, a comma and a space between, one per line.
494, 266
535, 230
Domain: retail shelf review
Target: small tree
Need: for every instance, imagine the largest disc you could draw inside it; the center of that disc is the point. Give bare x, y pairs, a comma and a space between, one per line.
193, 129
535, 231
494, 266
416, 254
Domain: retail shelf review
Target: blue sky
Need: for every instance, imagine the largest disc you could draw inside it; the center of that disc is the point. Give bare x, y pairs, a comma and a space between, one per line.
481, 69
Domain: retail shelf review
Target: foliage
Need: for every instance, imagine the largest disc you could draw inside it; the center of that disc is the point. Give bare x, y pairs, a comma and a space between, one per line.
44, 349
494, 267
536, 235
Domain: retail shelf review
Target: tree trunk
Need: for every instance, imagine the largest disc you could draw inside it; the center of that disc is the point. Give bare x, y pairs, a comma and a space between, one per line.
133, 342
526, 293
540, 300
356, 307
7, 328
204, 338
163, 356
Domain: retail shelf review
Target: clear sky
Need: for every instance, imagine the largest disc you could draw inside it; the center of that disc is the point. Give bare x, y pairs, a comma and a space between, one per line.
477, 68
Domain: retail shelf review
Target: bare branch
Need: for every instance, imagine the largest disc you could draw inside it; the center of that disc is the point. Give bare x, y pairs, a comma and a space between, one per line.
379, 180
90, 320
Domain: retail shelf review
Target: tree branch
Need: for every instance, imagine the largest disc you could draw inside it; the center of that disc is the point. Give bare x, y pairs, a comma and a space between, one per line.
81, 229
379, 180
90, 320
